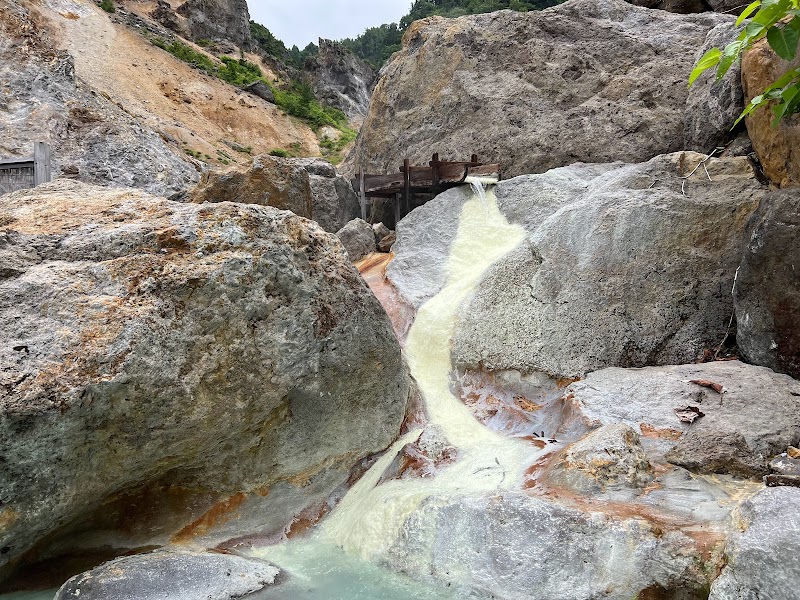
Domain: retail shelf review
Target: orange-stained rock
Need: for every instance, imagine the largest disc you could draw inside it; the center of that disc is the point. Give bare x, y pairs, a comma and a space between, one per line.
778, 148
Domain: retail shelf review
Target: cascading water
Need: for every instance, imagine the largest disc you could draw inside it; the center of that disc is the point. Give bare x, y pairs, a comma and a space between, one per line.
479, 186
370, 517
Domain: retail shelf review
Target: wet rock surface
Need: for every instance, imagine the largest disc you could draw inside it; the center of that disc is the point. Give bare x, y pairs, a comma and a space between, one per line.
763, 560
561, 302
173, 575
92, 138
608, 457
358, 238
767, 294
507, 85
309, 187
225, 360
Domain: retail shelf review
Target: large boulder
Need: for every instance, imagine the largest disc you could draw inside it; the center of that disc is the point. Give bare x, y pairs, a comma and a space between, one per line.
218, 19
173, 575
512, 545
754, 417
713, 106
508, 85
309, 187
764, 558
778, 148
222, 361
562, 302
341, 79
92, 138
767, 293
733, 7
358, 238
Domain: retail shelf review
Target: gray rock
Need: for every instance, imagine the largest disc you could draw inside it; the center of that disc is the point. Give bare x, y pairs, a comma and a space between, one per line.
386, 244
341, 79
424, 238
227, 354
512, 545
562, 302
767, 293
173, 575
309, 187
713, 106
221, 19
764, 560
716, 451
358, 239
785, 465
381, 231
676, 6
606, 458
262, 90
507, 85
42, 100
758, 407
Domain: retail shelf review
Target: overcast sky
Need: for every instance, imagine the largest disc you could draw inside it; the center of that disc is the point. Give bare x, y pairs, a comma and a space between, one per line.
298, 22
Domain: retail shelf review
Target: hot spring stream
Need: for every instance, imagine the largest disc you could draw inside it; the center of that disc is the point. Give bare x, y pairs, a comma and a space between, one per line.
339, 560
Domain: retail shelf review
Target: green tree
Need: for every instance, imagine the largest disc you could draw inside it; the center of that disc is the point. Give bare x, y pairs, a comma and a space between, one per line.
779, 22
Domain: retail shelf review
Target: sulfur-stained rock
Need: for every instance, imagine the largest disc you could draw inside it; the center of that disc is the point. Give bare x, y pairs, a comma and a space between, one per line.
509, 86
767, 293
778, 148
225, 360
607, 458
309, 187
764, 558
173, 575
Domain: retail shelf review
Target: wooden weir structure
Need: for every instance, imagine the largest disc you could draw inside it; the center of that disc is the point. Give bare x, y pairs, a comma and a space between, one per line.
412, 181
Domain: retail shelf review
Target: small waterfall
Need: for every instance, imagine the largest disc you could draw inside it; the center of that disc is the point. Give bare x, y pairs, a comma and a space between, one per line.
479, 186
370, 518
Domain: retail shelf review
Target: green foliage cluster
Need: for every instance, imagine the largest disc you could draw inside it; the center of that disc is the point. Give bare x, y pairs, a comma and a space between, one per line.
108, 6
779, 22
297, 100
333, 149
274, 47
377, 44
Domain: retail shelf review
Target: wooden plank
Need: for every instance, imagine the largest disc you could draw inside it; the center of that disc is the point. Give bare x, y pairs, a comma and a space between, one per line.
16, 163
407, 186
41, 163
485, 171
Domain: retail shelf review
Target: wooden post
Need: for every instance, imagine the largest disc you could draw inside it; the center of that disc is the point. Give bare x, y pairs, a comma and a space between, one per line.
475, 158
435, 175
41, 163
362, 195
406, 186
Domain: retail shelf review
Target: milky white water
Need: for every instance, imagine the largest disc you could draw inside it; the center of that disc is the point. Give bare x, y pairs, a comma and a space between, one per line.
369, 518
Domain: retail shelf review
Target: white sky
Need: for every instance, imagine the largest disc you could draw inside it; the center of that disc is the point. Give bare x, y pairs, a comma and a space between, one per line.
298, 22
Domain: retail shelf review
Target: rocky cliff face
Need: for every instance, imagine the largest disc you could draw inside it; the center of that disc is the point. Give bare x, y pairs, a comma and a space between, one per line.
222, 359
592, 81
341, 79
93, 138
218, 19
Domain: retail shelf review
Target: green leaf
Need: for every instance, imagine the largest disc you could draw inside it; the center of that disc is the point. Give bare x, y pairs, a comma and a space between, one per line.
747, 12
731, 53
708, 60
784, 41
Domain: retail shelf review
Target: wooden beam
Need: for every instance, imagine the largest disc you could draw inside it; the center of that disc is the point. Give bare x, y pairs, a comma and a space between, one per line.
41, 163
